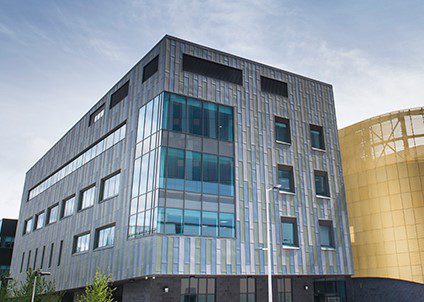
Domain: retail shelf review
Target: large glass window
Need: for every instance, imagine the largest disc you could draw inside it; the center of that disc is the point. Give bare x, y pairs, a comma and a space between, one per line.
247, 289
226, 176
175, 169
209, 223
321, 184
210, 120
81, 243
194, 108
225, 123
317, 137
68, 207
176, 112
105, 236
174, 221
53, 214
110, 186
285, 178
87, 198
282, 130
226, 225
284, 287
289, 231
197, 289
193, 171
191, 222
210, 174
326, 233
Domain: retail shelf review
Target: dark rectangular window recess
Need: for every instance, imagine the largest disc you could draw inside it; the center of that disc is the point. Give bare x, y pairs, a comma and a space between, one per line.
150, 68
274, 86
119, 94
213, 70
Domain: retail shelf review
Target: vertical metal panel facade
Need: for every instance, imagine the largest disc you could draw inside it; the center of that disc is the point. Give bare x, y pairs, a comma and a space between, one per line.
256, 159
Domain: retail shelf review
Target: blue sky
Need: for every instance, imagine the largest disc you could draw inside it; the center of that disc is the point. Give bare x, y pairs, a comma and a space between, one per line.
57, 58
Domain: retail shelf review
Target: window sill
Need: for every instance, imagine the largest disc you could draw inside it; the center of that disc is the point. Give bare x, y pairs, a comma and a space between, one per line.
286, 192
64, 217
290, 247
283, 143
323, 197
79, 253
109, 198
51, 223
318, 149
324, 248
84, 209
103, 248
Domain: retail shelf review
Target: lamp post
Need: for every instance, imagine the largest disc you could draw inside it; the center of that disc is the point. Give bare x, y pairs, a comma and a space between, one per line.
268, 240
36, 274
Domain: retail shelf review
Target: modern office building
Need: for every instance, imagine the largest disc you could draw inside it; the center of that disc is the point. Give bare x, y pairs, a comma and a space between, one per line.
163, 184
383, 166
7, 239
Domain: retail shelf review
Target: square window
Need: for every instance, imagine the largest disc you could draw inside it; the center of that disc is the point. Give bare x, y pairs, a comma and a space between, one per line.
81, 243
282, 130
317, 137
97, 115
110, 186
105, 236
321, 184
289, 231
326, 233
87, 197
285, 178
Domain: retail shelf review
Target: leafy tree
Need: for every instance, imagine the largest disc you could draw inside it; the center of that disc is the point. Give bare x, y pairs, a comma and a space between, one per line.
44, 290
100, 291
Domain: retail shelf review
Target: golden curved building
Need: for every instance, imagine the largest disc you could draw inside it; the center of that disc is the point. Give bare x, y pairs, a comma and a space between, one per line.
383, 168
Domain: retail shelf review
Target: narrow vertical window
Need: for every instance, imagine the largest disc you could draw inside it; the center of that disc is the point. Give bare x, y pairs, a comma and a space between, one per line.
210, 174
285, 178
326, 233
193, 171
22, 262
59, 257
195, 121
210, 120
177, 113
226, 176
317, 137
289, 231
321, 184
225, 123
42, 257
28, 260
34, 266
284, 287
51, 255
282, 130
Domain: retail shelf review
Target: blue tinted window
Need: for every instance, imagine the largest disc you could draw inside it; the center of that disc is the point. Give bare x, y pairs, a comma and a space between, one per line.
191, 222
193, 171
175, 169
151, 170
194, 108
177, 113
148, 123
285, 178
210, 120
226, 176
162, 171
321, 184
160, 222
317, 137
210, 224
289, 231
226, 225
140, 130
155, 115
144, 170
282, 130
210, 174
147, 222
225, 123
165, 113
174, 221
136, 177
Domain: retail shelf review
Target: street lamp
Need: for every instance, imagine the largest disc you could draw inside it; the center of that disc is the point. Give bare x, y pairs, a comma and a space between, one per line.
36, 274
268, 239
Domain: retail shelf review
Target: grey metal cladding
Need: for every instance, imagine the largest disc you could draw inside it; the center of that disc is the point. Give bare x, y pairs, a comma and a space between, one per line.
256, 158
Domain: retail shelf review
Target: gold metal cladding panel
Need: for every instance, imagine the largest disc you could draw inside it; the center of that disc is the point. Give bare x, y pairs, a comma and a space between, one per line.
383, 168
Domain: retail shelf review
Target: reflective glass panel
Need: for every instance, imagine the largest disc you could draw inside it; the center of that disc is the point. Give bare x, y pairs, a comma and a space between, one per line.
191, 222
210, 174
175, 169
194, 108
226, 225
225, 123
210, 120
177, 113
210, 224
285, 178
174, 221
226, 176
193, 171
288, 233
